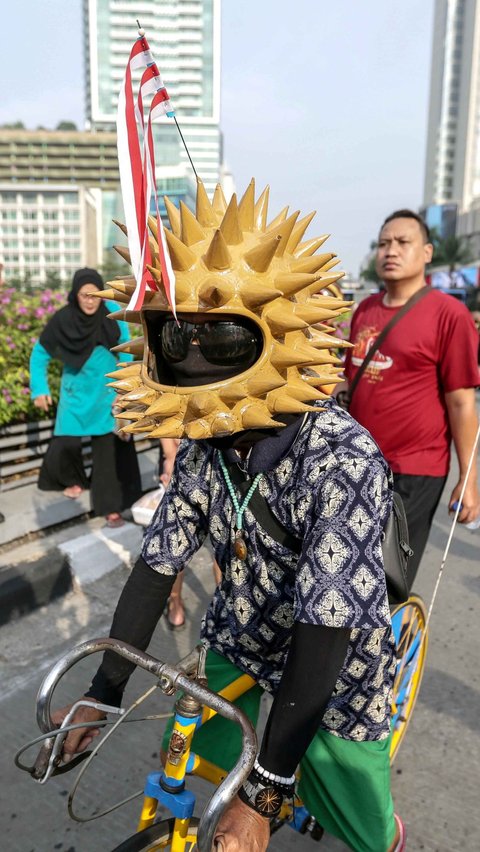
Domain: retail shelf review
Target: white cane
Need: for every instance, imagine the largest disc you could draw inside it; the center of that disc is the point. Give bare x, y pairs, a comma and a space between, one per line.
452, 529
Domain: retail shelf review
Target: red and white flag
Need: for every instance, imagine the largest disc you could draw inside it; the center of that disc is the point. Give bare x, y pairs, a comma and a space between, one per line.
136, 158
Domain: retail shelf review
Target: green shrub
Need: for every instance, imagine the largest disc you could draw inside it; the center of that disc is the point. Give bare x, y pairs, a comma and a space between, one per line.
22, 318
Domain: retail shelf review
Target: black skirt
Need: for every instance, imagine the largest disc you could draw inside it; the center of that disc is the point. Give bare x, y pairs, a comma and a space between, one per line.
115, 478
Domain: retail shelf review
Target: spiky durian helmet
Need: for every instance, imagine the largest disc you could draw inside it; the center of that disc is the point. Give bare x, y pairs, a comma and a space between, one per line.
229, 262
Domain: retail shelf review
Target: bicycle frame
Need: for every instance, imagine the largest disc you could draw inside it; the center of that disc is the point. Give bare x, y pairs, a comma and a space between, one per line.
170, 679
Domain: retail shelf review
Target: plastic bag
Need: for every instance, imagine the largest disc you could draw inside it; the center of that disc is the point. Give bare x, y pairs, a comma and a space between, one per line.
144, 508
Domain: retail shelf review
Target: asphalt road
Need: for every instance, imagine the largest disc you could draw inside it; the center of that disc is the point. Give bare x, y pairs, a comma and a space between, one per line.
435, 778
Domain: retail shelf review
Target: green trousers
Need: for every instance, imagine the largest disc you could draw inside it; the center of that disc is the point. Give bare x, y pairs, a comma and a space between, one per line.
344, 784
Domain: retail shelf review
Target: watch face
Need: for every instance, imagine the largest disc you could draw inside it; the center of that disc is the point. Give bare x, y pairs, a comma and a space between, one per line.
268, 801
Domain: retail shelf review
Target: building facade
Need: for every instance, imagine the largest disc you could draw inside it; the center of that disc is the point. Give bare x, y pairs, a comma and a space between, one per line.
184, 36
452, 173
51, 185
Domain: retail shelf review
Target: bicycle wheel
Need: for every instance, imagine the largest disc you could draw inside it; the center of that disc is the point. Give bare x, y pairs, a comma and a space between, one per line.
158, 836
411, 639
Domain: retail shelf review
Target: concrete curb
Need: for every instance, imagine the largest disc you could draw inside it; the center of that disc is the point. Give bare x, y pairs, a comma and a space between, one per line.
34, 574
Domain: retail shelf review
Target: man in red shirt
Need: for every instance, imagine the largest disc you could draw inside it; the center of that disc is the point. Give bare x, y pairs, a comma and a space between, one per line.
418, 391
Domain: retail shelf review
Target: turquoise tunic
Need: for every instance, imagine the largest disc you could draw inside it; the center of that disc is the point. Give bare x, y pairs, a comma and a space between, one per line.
85, 404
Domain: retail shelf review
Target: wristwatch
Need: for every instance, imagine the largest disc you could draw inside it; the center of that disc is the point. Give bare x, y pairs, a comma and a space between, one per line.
264, 796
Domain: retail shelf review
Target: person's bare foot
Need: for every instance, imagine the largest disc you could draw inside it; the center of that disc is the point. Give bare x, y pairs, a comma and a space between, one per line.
114, 519
73, 491
175, 613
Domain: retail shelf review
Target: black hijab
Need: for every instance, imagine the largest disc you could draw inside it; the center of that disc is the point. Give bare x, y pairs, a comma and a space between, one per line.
70, 335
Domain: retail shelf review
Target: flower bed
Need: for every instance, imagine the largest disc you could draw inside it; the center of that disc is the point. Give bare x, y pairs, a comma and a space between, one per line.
22, 318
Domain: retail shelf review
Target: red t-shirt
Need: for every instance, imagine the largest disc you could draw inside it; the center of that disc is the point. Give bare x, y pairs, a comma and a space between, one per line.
400, 397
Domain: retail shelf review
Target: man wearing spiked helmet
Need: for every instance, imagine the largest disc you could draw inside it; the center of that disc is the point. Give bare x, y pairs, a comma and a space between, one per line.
294, 495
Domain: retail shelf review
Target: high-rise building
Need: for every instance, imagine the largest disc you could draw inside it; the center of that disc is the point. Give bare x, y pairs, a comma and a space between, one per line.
184, 36
452, 172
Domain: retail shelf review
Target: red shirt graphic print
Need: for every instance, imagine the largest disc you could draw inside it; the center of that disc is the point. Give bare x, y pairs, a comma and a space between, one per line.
400, 398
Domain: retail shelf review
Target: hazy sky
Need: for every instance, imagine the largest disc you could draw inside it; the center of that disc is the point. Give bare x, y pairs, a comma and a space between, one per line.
326, 102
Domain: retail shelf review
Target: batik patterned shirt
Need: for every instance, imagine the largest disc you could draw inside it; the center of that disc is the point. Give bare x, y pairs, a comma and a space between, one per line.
331, 489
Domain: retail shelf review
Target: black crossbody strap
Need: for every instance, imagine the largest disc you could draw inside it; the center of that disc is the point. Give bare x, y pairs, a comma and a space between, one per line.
381, 337
262, 512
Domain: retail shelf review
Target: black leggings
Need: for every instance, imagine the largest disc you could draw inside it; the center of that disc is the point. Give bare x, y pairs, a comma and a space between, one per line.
115, 478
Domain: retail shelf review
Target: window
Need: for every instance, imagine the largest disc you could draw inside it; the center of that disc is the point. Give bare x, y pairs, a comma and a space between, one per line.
50, 215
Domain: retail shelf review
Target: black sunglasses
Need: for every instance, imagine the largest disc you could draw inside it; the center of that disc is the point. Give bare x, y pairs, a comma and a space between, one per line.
223, 342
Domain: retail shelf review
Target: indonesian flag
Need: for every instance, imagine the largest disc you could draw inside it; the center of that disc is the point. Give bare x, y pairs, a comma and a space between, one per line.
136, 158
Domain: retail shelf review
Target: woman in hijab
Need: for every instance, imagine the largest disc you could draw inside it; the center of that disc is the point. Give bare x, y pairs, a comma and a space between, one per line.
80, 335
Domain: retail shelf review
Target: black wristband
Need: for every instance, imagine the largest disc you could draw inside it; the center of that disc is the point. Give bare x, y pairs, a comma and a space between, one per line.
265, 797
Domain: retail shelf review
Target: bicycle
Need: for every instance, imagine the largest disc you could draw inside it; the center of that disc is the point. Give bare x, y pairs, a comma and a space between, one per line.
195, 707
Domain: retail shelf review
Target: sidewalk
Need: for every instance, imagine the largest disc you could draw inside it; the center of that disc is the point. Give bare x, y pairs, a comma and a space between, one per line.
68, 549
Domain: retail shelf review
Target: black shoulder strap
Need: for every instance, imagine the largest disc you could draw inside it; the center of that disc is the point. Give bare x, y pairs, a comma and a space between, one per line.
262, 512
381, 337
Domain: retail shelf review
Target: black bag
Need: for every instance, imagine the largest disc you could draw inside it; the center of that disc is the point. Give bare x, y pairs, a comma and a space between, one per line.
395, 547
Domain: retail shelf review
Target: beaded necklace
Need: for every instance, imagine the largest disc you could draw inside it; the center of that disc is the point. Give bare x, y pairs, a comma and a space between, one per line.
240, 546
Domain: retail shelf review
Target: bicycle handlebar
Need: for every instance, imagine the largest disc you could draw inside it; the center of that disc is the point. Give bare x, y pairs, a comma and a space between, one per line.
172, 677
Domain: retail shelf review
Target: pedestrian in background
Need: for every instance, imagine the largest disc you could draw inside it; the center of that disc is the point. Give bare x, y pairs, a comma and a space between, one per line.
418, 390
80, 335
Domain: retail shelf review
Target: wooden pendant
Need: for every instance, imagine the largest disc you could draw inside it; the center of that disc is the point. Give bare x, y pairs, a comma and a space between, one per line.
240, 546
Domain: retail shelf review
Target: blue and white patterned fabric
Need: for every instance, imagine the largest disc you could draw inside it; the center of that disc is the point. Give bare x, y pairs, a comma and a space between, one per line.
332, 490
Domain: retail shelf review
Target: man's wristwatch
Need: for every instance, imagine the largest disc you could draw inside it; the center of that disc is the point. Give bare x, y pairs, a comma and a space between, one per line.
264, 796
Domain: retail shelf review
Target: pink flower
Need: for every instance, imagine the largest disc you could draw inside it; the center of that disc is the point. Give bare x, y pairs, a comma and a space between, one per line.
25, 391
22, 310
22, 326
7, 396
40, 312
5, 300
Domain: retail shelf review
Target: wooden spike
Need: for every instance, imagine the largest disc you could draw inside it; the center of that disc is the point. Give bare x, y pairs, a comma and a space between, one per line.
322, 282
255, 293
278, 219
192, 231
203, 403
261, 210
130, 415
312, 315
260, 256
182, 257
312, 264
322, 339
170, 428
173, 214
152, 224
222, 424
256, 416
120, 225
219, 202
280, 403
283, 356
141, 426
281, 318
215, 294
333, 303
204, 210
290, 283
299, 231
125, 285
325, 378
309, 247
132, 347
264, 382
331, 263
127, 370
196, 430
218, 256
284, 230
156, 273
166, 404
141, 394
234, 392
125, 384
302, 391
230, 224
126, 316
123, 252
122, 298
246, 208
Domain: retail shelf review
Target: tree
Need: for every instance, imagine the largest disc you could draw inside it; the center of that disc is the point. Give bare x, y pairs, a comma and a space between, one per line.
53, 280
451, 252
16, 125
369, 272
66, 125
